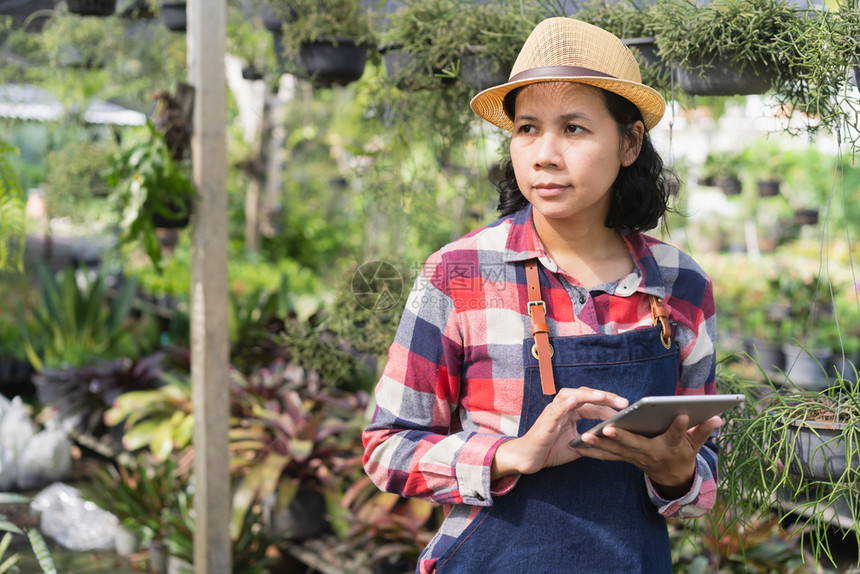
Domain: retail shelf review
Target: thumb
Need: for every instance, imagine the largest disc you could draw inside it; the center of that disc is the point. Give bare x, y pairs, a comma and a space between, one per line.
699, 434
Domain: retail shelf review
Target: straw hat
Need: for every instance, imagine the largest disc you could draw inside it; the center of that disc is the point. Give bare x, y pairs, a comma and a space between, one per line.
568, 50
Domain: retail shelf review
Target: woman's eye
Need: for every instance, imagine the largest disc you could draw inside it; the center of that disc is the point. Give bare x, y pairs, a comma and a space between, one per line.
526, 129
572, 129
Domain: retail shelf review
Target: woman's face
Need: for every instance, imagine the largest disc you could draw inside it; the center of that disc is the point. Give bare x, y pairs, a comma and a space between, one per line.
566, 150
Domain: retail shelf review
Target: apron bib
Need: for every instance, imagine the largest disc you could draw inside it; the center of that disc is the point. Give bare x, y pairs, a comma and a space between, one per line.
587, 515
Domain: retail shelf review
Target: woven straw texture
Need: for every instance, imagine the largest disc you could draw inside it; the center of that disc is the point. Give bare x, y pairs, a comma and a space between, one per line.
568, 42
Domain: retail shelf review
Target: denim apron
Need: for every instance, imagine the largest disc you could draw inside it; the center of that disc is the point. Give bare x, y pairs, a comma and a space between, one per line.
587, 515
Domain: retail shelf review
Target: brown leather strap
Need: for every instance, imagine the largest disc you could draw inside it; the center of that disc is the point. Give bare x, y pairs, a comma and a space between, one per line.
542, 350
558, 72
660, 315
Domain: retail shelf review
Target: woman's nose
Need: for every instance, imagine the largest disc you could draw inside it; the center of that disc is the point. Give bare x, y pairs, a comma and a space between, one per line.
549, 150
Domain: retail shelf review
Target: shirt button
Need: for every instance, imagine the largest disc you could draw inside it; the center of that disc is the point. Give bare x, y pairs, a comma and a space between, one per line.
582, 299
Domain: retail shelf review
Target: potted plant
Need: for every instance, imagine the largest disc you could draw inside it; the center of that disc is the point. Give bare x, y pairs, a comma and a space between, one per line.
150, 190
325, 40
725, 47
495, 33
388, 529
78, 319
423, 43
722, 169
250, 43
793, 449
767, 163
289, 440
633, 23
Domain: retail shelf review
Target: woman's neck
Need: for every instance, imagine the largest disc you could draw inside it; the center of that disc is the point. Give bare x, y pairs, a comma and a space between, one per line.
588, 251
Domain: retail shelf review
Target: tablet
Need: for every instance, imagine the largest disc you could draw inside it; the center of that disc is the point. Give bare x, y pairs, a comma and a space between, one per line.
651, 416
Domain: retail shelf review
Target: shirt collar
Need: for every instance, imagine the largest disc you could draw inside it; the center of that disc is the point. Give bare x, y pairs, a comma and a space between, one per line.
524, 244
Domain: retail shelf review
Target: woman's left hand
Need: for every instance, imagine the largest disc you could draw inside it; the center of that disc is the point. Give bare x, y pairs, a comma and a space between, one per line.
669, 459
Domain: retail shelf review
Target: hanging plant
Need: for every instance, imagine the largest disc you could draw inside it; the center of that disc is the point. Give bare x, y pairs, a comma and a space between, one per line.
728, 46
819, 60
634, 24
151, 190
324, 40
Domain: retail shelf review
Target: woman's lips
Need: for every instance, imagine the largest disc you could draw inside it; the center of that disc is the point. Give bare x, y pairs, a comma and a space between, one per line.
549, 189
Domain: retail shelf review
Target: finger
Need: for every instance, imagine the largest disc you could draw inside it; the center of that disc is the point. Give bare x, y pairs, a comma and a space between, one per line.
699, 434
677, 431
587, 395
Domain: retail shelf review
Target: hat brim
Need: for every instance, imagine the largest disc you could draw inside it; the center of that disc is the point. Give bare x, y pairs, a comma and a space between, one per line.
489, 104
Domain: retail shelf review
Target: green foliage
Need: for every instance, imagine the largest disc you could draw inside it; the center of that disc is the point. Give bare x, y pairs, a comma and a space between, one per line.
148, 184
137, 491
73, 178
12, 220
79, 319
287, 432
437, 33
309, 20
761, 454
159, 420
37, 543
745, 32
81, 395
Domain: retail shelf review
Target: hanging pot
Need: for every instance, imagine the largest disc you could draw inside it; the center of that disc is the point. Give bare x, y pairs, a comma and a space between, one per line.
481, 72
731, 185
647, 48
333, 61
177, 220
722, 78
91, 7
819, 450
768, 187
806, 217
174, 15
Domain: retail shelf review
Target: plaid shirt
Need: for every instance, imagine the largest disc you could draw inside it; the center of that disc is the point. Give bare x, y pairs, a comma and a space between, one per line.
452, 389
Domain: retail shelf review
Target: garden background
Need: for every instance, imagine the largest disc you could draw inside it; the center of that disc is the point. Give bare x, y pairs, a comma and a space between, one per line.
340, 183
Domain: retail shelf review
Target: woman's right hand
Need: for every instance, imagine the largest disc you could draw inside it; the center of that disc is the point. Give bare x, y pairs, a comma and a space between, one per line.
547, 442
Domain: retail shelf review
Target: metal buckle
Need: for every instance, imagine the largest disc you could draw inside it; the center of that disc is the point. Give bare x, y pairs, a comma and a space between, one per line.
541, 303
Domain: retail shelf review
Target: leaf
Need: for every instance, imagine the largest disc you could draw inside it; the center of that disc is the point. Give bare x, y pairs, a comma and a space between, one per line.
140, 435
7, 526
162, 440
43, 555
301, 449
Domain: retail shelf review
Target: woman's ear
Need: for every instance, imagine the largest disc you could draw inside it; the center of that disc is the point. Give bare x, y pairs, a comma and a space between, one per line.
632, 143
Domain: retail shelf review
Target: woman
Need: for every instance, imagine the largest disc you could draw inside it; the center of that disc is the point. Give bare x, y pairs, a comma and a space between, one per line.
521, 335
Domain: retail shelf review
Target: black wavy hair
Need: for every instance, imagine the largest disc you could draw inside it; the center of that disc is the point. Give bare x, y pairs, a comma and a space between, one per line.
640, 193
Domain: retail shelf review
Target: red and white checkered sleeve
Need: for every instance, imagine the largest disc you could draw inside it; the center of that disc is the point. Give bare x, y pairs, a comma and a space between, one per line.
410, 446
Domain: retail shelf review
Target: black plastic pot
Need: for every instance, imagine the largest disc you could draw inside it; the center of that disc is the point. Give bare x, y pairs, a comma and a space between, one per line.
730, 185
806, 217
768, 187
333, 62
647, 48
481, 72
722, 78
174, 16
91, 7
